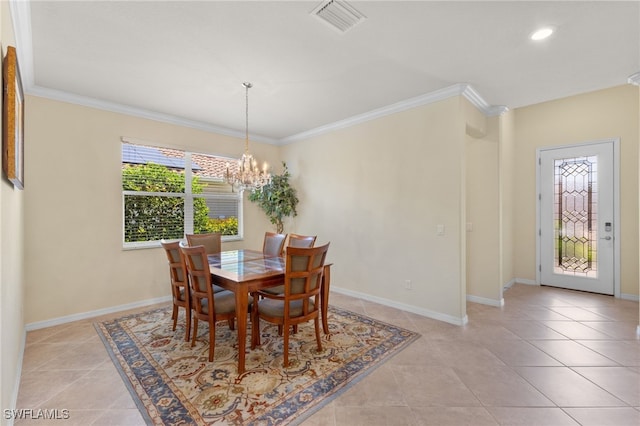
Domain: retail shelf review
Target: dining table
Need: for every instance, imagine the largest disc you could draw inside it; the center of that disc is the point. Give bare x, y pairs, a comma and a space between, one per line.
246, 271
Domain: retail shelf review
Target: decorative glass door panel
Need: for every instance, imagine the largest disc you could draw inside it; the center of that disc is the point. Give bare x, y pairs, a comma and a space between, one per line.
576, 213
576, 217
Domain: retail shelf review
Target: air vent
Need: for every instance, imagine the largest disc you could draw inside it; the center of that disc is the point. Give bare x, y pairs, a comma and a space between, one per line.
340, 15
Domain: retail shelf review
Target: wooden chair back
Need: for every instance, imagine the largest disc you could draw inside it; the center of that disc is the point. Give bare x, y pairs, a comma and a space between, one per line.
273, 243
303, 275
212, 242
296, 240
200, 283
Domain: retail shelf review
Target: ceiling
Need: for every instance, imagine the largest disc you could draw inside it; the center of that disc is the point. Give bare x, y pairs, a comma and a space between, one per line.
185, 62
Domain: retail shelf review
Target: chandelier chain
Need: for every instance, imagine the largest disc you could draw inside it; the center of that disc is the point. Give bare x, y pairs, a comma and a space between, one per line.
247, 86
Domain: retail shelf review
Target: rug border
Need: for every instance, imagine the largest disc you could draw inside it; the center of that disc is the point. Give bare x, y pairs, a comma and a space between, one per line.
297, 420
114, 360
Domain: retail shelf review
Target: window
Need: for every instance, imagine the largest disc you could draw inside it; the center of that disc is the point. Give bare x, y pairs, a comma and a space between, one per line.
168, 193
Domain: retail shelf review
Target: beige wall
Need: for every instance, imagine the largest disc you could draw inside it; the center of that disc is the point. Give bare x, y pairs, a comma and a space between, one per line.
377, 192
73, 205
507, 192
611, 113
68, 138
11, 266
484, 284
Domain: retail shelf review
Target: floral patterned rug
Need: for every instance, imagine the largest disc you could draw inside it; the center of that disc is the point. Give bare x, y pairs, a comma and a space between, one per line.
174, 384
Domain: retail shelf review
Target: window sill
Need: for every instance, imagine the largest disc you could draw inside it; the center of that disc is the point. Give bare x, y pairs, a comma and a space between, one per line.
156, 244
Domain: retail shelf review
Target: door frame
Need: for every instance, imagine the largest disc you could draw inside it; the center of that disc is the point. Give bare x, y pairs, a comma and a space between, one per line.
616, 207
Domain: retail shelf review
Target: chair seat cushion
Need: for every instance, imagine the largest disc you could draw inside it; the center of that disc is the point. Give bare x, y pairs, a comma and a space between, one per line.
274, 290
217, 289
224, 302
275, 308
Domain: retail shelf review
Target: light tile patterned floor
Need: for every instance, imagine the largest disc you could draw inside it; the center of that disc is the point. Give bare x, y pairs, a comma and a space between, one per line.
548, 357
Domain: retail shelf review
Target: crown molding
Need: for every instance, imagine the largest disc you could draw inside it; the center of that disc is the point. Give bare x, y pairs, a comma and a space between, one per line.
497, 110
21, 19
456, 90
436, 96
478, 101
459, 89
448, 92
634, 79
58, 95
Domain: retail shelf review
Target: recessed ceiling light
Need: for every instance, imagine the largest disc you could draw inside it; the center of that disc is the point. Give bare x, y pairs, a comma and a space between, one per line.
541, 34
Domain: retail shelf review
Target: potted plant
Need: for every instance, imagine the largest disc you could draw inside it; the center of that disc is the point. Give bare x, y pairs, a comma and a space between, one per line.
278, 199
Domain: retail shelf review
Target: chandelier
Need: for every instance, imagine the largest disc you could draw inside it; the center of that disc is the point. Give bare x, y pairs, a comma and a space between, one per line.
246, 175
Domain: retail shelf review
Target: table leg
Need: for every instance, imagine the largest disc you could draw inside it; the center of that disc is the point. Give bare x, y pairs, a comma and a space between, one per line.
324, 299
242, 305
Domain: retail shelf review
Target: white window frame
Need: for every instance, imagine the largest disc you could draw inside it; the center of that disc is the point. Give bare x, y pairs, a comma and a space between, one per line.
188, 200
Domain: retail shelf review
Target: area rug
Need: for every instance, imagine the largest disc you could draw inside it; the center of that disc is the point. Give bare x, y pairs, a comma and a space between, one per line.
174, 384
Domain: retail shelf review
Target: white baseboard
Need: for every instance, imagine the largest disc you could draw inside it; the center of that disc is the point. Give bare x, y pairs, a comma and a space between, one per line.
485, 301
632, 297
403, 306
96, 313
509, 284
525, 281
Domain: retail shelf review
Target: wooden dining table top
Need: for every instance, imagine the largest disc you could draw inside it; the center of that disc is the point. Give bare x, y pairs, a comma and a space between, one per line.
246, 265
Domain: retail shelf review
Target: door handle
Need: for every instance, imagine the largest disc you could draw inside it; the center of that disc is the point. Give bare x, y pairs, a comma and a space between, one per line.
608, 237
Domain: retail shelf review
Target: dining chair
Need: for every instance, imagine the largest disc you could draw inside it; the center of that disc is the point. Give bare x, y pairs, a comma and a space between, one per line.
300, 301
216, 288
207, 305
179, 284
273, 244
296, 240
212, 242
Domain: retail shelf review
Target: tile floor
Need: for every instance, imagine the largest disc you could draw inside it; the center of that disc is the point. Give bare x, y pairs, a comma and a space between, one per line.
548, 357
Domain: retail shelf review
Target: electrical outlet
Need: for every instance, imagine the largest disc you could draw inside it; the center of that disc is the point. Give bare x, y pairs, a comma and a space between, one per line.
407, 284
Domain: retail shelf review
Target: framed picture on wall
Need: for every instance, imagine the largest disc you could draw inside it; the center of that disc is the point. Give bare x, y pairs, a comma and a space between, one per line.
12, 120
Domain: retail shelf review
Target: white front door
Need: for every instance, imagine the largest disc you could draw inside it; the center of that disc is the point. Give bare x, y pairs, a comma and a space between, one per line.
576, 211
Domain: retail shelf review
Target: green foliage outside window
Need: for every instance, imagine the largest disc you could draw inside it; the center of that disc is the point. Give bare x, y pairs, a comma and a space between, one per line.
227, 226
151, 218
